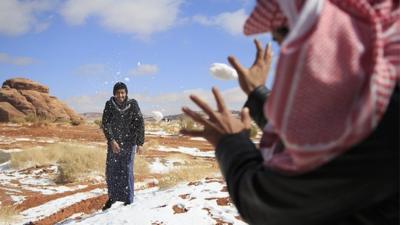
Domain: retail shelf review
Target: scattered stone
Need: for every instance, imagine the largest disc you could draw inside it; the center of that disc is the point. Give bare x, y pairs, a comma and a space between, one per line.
179, 209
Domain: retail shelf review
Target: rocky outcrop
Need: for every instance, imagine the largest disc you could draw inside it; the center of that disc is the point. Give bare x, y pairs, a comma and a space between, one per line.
9, 113
21, 98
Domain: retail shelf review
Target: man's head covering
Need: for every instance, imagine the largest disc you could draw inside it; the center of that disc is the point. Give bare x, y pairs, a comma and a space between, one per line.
336, 72
120, 85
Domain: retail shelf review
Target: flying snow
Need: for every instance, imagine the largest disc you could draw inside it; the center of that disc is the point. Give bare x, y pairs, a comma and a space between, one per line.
157, 115
223, 71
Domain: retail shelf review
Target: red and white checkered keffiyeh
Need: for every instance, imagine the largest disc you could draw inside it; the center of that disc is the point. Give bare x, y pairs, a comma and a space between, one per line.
336, 72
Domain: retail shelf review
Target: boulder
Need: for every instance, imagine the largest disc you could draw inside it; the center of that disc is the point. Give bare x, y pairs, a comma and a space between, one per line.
9, 112
30, 98
25, 84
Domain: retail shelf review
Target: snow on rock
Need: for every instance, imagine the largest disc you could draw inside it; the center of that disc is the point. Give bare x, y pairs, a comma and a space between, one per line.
194, 204
187, 150
223, 71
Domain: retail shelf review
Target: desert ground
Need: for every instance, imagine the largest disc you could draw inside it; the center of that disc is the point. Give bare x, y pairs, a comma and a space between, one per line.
53, 173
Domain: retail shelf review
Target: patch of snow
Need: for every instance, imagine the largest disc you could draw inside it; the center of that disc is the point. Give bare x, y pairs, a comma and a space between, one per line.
17, 199
158, 133
50, 190
23, 139
4, 166
159, 167
54, 206
187, 150
12, 150
198, 139
157, 207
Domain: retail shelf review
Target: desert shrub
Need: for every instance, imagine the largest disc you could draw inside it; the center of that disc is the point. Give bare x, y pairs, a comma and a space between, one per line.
8, 214
150, 144
18, 120
186, 123
186, 173
141, 166
31, 118
99, 123
75, 161
75, 122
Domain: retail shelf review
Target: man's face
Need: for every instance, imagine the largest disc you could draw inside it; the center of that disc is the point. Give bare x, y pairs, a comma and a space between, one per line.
120, 95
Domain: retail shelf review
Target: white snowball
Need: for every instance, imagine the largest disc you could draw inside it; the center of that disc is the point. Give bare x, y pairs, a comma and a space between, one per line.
157, 115
223, 71
127, 79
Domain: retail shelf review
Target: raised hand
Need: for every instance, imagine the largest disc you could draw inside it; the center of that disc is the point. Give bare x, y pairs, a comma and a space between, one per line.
219, 123
256, 75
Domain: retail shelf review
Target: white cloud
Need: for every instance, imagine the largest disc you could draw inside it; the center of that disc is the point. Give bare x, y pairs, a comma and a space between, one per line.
139, 17
144, 69
167, 103
232, 22
94, 69
15, 60
19, 17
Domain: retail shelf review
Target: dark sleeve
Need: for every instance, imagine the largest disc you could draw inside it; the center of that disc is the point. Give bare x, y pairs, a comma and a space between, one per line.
331, 194
106, 122
255, 103
138, 125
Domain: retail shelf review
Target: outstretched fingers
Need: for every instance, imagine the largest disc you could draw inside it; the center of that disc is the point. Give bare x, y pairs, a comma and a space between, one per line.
220, 101
204, 106
198, 118
259, 53
237, 66
268, 53
245, 117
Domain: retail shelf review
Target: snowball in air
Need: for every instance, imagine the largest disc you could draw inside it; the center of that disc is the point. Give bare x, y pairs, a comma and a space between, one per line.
157, 115
223, 71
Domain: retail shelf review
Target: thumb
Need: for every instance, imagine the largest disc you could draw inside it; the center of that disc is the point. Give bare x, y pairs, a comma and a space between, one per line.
245, 116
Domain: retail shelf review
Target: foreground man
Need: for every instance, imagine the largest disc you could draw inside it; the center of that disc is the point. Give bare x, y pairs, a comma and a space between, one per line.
330, 149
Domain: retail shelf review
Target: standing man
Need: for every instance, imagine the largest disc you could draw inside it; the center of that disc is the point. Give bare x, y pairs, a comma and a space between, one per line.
124, 129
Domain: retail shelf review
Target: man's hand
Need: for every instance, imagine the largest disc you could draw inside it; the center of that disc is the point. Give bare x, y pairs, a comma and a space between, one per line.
257, 74
115, 147
220, 123
139, 150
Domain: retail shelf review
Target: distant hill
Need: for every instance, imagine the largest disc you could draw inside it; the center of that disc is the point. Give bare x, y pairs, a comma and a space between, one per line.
92, 116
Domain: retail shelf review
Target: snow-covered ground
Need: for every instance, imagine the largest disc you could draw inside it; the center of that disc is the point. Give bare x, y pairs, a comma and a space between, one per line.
51, 207
184, 204
188, 151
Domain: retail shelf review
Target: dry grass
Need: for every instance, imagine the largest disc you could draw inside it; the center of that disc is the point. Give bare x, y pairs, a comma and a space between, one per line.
8, 214
78, 162
192, 171
141, 166
75, 161
151, 144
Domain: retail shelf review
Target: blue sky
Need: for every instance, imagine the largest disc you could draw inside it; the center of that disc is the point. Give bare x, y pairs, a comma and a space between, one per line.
162, 49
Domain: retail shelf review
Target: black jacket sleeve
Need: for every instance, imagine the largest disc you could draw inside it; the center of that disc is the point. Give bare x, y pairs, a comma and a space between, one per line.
138, 125
359, 187
329, 195
255, 103
106, 122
